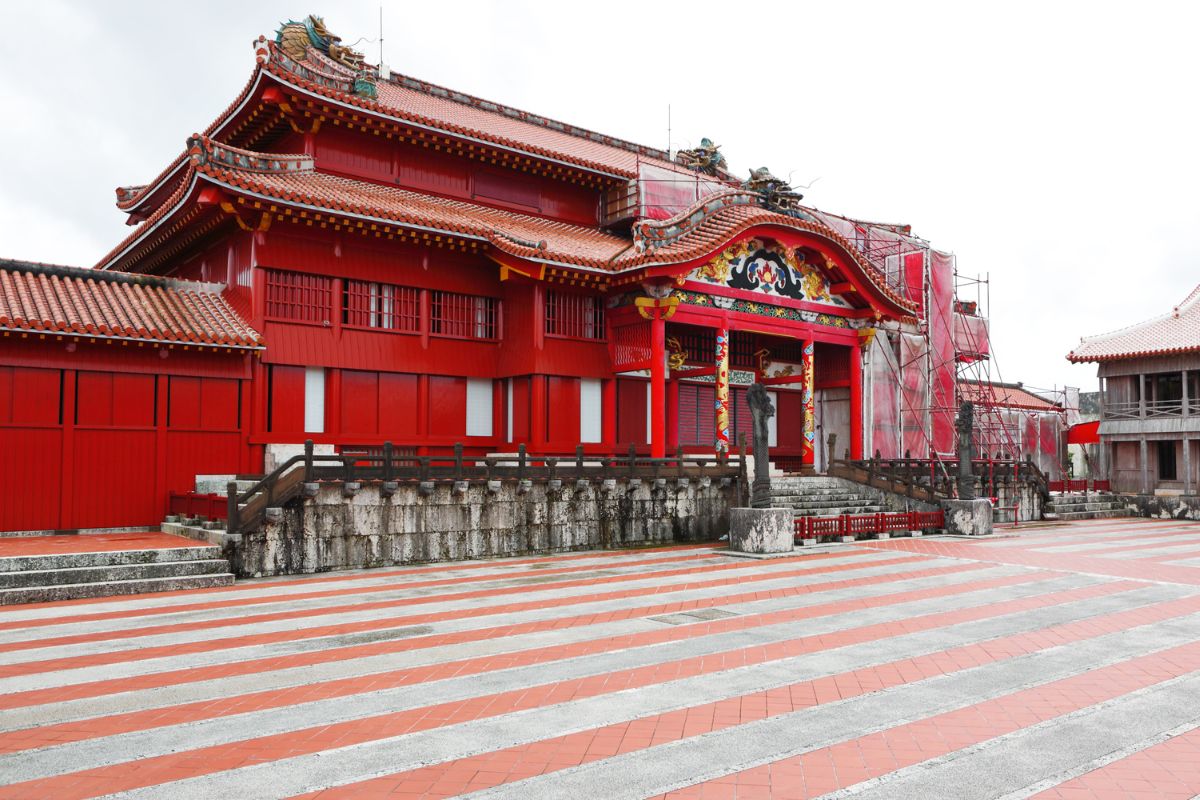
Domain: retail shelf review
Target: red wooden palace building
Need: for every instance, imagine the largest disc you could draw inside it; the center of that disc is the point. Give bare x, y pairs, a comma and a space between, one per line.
355, 257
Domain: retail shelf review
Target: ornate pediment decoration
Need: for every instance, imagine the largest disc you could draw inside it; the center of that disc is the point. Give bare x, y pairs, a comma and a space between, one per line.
755, 266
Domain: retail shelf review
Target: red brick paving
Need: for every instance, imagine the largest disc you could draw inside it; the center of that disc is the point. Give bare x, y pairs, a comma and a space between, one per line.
14, 546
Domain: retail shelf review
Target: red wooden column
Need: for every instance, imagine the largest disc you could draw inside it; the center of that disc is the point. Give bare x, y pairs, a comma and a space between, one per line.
658, 310
808, 447
856, 403
537, 413
658, 385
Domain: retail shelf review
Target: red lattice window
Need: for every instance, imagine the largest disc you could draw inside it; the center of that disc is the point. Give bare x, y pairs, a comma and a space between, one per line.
298, 297
575, 316
382, 305
463, 316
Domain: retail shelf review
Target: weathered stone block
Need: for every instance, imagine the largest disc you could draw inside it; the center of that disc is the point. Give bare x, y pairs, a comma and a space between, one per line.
968, 517
761, 530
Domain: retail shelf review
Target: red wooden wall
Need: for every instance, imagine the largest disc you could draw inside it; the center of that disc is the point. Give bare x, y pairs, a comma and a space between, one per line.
90, 448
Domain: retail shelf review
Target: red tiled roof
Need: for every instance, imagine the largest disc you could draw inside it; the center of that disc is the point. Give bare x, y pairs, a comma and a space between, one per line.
693, 234
1177, 332
1007, 395
427, 104
80, 302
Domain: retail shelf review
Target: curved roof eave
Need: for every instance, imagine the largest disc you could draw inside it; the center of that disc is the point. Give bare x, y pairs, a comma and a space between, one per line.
134, 203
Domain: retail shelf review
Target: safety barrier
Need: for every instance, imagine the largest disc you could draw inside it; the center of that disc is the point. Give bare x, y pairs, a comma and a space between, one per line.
866, 524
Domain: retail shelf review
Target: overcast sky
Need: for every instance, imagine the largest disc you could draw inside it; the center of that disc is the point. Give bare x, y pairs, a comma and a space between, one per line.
1052, 146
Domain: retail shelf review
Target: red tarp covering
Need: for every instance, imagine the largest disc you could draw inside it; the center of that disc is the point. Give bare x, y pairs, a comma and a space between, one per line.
941, 343
1084, 433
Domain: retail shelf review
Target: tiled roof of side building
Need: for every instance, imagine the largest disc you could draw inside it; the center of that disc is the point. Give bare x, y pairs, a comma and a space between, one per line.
47, 298
1005, 395
1176, 332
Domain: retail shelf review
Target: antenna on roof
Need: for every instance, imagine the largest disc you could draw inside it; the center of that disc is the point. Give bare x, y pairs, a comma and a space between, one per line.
381, 34
668, 130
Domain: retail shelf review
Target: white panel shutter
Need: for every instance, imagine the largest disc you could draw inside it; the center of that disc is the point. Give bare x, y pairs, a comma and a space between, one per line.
772, 425
479, 407
590, 406
509, 436
314, 399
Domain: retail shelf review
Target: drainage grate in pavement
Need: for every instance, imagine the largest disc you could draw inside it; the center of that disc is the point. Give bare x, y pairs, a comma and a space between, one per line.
702, 615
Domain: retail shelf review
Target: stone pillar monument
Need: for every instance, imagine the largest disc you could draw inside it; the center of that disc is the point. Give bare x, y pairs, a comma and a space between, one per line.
967, 515
761, 410
761, 529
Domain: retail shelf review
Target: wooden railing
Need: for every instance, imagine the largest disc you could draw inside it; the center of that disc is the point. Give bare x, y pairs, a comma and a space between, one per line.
1084, 485
935, 479
1153, 409
856, 524
246, 510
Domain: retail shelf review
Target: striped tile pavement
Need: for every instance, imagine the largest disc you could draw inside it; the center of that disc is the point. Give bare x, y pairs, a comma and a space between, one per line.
1058, 662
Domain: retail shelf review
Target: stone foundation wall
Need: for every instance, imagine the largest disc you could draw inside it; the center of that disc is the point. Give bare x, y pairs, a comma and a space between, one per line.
332, 531
1172, 507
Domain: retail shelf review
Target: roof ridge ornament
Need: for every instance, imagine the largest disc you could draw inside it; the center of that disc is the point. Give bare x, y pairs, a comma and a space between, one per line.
705, 158
204, 151
776, 193
295, 38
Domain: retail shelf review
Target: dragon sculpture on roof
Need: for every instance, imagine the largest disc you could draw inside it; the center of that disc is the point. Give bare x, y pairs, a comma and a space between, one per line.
776, 193
294, 38
706, 158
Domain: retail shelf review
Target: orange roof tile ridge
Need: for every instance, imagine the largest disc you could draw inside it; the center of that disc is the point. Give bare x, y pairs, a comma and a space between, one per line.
112, 276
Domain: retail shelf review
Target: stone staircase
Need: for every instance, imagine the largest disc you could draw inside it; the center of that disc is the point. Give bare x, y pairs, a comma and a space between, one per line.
207, 530
820, 496
70, 576
1076, 505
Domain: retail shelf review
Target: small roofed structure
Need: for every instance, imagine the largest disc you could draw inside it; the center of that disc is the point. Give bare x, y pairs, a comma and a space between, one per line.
1150, 400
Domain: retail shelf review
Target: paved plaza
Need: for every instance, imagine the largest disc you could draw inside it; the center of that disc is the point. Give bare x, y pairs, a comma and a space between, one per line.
1062, 662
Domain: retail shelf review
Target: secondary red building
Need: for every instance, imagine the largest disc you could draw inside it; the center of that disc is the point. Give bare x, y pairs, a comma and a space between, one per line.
354, 257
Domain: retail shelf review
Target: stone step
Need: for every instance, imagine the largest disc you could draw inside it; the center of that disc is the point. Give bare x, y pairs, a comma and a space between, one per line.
109, 558
111, 573
820, 495
821, 502
1069, 507
833, 509
76, 591
1108, 514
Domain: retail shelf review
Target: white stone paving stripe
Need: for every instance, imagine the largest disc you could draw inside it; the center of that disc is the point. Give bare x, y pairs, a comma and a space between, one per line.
596, 664
98, 752
331, 581
652, 771
558, 603
1016, 763
126, 669
646, 577
694, 760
